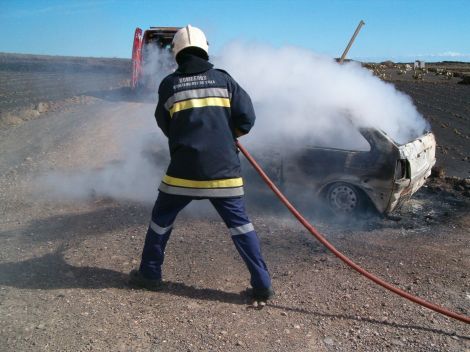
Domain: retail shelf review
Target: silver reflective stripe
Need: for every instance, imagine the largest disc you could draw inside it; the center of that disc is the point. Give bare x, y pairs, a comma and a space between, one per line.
202, 192
196, 93
241, 230
158, 229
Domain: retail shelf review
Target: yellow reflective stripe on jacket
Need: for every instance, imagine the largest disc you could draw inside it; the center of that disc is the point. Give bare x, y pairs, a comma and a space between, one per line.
197, 94
181, 182
199, 103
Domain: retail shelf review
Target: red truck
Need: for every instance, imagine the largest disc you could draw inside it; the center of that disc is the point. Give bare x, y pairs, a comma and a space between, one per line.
143, 48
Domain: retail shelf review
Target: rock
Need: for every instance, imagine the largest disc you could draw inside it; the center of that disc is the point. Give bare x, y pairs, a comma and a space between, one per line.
397, 342
42, 107
438, 172
328, 341
12, 120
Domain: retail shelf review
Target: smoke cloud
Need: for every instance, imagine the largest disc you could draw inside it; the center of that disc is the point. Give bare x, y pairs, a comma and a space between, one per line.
132, 174
157, 64
308, 99
301, 98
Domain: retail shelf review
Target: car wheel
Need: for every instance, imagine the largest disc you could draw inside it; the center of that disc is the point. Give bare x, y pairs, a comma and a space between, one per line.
344, 199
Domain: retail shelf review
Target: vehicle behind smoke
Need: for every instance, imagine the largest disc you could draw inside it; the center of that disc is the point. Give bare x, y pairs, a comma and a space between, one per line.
149, 56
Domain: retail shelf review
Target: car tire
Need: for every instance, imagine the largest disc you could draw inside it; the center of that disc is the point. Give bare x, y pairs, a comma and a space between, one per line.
345, 199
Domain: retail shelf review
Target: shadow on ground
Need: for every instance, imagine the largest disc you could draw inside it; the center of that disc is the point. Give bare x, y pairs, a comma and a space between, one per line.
51, 271
368, 320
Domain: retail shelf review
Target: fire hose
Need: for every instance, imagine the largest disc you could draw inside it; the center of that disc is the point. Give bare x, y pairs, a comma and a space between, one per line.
340, 255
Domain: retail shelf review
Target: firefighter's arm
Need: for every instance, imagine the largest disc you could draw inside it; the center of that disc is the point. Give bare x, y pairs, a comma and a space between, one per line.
243, 113
162, 115
163, 118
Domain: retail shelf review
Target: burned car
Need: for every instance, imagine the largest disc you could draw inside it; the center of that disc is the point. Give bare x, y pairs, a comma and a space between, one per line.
349, 181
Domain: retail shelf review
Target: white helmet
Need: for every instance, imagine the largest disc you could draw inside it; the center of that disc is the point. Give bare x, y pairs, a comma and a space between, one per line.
189, 36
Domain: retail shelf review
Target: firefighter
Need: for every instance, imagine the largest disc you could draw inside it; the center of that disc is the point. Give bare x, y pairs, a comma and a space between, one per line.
202, 111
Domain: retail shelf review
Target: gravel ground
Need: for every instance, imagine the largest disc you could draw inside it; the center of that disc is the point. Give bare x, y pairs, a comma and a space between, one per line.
63, 265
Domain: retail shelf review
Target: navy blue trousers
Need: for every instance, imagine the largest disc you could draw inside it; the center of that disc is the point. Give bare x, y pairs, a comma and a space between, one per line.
232, 212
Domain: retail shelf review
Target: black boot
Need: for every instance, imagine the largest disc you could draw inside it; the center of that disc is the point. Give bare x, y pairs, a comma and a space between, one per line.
262, 294
136, 279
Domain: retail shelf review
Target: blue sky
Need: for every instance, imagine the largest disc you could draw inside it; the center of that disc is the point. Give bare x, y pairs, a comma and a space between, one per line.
399, 30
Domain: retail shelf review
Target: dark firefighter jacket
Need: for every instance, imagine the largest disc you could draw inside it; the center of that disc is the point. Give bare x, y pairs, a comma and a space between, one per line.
199, 108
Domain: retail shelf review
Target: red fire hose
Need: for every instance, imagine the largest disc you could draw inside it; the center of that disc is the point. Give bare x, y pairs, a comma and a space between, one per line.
340, 255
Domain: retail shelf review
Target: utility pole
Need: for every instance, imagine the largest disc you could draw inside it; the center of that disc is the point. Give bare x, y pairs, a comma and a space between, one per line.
359, 26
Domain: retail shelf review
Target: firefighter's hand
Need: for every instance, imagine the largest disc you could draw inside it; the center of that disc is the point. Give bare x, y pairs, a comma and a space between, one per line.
239, 133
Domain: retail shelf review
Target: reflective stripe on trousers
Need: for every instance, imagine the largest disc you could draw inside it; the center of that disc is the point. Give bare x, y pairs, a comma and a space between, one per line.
241, 230
158, 229
232, 212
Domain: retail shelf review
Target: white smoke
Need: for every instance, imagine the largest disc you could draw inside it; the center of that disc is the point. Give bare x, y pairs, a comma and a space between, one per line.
157, 63
300, 98
303, 97
142, 156
134, 176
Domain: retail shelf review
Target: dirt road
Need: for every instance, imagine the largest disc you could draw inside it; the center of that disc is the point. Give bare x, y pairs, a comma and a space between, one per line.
63, 265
